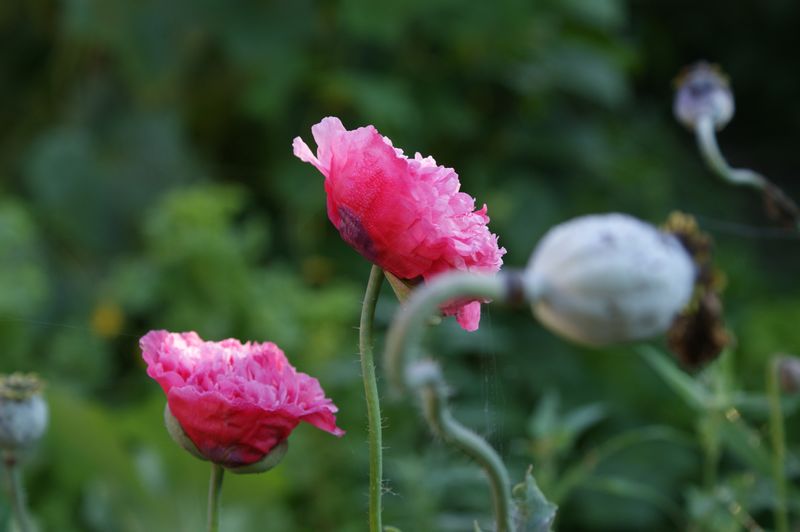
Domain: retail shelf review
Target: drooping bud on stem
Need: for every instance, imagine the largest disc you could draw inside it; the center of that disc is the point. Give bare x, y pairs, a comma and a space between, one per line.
704, 104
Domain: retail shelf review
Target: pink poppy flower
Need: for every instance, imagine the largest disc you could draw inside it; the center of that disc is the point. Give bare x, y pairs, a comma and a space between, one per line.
235, 402
405, 215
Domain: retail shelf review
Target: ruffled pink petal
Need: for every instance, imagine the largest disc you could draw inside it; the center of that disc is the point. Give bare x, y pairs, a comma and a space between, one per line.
234, 401
303, 152
469, 315
226, 434
406, 215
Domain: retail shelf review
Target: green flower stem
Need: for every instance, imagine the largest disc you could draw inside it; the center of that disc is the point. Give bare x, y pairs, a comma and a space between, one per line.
214, 496
16, 493
707, 143
409, 324
372, 397
433, 393
777, 435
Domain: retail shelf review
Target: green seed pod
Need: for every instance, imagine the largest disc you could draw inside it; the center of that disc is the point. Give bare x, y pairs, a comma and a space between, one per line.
23, 411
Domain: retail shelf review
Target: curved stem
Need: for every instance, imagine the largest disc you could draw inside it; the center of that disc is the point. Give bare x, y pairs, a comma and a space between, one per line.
779, 205
17, 493
214, 496
433, 394
403, 339
409, 323
777, 435
372, 397
707, 143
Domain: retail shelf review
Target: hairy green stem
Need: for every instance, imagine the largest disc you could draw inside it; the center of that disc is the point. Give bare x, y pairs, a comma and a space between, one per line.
433, 393
409, 324
17, 493
372, 397
214, 496
777, 435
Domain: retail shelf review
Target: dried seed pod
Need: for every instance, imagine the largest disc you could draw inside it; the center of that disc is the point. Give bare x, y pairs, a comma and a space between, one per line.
698, 334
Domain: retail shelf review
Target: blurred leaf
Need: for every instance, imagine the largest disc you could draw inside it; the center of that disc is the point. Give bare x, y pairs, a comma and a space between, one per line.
554, 432
757, 404
579, 420
574, 476
682, 384
24, 286
745, 443
718, 511
23, 283
5, 514
638, 491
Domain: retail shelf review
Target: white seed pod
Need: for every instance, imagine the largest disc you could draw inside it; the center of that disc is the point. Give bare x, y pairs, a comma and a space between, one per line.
604, 279
703, 90
23, 412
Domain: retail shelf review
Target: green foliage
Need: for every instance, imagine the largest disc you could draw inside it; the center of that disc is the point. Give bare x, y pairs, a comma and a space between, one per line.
23, 282
147, 181
532, 511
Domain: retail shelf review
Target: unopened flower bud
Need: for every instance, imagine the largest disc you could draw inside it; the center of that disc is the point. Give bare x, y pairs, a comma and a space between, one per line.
610, 278
23, 411
702, 90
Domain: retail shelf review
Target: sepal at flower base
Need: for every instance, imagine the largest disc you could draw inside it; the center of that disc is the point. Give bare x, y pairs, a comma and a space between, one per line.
270, 460
402, 289
179, 436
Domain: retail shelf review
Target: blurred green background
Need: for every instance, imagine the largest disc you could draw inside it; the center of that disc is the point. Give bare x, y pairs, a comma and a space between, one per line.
147, 181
